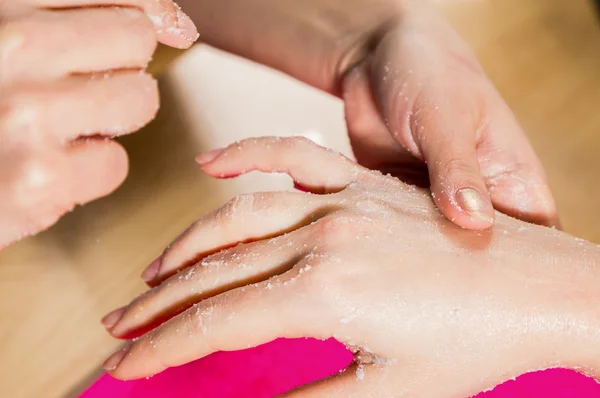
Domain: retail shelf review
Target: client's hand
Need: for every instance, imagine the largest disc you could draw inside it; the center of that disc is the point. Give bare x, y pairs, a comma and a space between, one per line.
72, 76
431, 309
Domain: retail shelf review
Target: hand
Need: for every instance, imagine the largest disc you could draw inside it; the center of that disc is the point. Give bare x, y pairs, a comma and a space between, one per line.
414, 93
431, 309
71, 76
421, 98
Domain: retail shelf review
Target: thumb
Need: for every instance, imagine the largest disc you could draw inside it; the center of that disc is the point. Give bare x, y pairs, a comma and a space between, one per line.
457, 186
448, 148
445, 134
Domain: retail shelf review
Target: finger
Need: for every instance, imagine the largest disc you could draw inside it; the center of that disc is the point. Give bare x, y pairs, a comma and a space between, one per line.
264, 312
457, 186
221, 272
108, 105
68, 42
97, 168
367, 131
173, 27
513, 173
53, 183
447, 137
245, 218
423, 103
300, 158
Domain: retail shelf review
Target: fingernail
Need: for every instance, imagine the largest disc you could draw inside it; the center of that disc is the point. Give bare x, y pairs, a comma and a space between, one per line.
115, 359
186, 26
474, 204
112, 318
205, 158
151, 271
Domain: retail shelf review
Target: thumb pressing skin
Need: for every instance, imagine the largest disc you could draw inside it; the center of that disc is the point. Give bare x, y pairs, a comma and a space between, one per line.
422, 92
449, 147
436, 133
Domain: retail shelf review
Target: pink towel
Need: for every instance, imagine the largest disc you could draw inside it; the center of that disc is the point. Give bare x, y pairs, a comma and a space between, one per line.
279, 366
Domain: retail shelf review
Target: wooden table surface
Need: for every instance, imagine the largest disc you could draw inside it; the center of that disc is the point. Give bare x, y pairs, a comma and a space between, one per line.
544, 55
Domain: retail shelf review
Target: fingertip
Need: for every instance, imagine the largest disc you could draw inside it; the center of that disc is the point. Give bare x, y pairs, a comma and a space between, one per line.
112, 318
180, 32
151, 272
476, 205
468, 208
187, 28
97, 168
205, 158
112, 363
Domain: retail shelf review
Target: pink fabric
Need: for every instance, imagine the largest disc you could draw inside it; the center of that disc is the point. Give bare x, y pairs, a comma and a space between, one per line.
283, 364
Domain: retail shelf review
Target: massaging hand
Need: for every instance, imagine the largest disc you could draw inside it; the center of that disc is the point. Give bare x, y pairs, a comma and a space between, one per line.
432, 309
71, 75
422, 95
414, 95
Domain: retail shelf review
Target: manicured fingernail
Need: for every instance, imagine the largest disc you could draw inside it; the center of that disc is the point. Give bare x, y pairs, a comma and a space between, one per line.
474, 204
115, 359
151, 271
112, 318
205, 158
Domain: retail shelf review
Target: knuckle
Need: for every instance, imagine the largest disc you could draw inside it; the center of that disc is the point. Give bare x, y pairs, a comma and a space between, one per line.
202, 319
327, 229
333, 230
34, 180
257, 202
33, 190
239, 205
370, 205
458, 166
334, 283
199, 320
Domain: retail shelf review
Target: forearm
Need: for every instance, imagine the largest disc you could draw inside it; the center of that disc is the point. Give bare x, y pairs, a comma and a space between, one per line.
314, 41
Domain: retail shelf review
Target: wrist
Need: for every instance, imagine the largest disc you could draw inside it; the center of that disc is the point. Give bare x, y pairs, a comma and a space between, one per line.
311, 40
